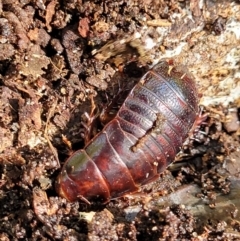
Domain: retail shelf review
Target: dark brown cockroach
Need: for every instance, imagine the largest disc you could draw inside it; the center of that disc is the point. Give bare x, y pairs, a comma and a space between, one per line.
139, 143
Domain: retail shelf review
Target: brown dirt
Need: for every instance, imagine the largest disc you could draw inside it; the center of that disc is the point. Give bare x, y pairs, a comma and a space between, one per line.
56, 57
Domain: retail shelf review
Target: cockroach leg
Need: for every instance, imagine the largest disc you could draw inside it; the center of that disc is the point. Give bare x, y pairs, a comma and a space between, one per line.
110, 110
89, 121
200, 121
82, 198
67, 142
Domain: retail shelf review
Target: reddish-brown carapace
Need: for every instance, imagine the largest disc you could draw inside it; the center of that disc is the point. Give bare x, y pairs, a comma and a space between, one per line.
139, 143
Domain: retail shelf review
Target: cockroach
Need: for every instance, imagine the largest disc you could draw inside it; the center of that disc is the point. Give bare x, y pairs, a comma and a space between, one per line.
139, 142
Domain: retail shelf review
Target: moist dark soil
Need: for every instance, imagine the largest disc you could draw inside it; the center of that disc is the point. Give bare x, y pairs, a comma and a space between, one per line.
62, 63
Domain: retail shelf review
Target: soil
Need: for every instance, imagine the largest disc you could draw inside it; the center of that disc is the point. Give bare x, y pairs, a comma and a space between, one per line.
61, 64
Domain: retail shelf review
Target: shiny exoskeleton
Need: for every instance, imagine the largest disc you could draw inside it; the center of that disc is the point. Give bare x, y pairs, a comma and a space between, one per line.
139, 143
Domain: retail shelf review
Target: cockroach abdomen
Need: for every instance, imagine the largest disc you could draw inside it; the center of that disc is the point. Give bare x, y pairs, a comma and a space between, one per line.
139, 142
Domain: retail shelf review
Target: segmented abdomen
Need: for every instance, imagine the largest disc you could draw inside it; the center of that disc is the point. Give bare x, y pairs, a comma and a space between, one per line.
139, 143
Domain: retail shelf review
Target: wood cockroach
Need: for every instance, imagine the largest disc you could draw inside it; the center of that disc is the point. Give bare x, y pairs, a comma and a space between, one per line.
139, 142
